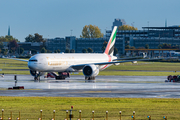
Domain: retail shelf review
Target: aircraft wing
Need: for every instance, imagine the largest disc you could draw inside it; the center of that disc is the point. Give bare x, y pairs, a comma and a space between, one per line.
18, 59
129, 58
80, 66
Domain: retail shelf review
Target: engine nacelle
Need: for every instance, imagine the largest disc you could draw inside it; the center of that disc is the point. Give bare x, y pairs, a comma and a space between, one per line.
116, 63
90, 70
33, 73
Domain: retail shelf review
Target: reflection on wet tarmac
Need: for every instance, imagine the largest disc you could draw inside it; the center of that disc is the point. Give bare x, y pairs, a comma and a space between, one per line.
103, 86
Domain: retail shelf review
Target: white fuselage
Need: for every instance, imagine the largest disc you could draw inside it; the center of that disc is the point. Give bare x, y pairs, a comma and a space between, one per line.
58, 62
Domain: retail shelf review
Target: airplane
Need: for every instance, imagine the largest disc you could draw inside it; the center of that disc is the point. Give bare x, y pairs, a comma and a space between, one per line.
64, 63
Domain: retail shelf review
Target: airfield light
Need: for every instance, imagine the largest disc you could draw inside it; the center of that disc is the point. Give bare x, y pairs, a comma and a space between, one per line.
54, 114
93, 114
67, 114
2, 114
79, 114
133, 115
106, 115
119, 115
41, 114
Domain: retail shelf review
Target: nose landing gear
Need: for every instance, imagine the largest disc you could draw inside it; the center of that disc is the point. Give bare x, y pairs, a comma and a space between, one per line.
37, 76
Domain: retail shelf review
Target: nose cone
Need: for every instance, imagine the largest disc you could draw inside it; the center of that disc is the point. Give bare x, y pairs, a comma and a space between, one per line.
32, 64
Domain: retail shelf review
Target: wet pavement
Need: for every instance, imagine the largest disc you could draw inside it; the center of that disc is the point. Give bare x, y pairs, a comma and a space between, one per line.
103, 86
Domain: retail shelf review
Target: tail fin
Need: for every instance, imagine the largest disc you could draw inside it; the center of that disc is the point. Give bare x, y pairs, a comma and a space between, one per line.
110, 46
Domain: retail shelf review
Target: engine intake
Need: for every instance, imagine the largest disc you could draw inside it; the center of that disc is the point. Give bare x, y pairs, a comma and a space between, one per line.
90, 70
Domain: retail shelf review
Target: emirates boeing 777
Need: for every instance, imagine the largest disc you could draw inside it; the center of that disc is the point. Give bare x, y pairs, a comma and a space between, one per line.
64, 63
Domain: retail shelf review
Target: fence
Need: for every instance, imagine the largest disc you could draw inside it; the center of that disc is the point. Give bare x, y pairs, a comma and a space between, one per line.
69, 116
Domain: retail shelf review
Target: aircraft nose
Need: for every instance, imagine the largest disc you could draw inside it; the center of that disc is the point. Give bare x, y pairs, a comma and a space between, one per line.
32, 64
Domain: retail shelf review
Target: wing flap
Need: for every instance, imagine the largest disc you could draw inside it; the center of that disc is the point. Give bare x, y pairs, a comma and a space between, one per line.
80, 66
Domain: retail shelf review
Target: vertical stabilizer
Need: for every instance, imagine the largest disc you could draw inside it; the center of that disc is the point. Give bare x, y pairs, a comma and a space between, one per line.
110, 46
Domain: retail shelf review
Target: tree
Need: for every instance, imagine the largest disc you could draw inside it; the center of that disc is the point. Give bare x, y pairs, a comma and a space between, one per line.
104, 46
165, 46
43, 50
49, 51
1, 45
13, 45
21, 50
55, 51
84, 50
72, 51
132, 47
29, 38
115, 51
4, 51
38, 38
90, 50
127, 27
67, 51
147, 46
91, 31
7, 39
35, 38
127, 47
58, 50
33, 51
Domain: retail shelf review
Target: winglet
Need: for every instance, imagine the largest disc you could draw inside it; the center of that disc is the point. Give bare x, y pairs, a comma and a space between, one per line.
110, 46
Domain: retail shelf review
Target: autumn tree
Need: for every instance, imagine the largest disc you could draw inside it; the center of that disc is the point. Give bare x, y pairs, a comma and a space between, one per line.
126, 27
13, 45
91, 31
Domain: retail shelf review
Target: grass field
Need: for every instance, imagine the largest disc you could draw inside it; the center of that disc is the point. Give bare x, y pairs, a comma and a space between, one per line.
30, 107
125, 69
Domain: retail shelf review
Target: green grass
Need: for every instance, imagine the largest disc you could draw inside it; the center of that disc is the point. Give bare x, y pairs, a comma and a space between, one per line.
149, 66
30, 107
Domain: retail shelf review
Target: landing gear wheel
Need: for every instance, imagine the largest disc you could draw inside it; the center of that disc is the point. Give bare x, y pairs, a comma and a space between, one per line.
90, 78
36, 78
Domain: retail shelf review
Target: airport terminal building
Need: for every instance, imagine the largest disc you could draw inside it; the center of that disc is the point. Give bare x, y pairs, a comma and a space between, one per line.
153, 36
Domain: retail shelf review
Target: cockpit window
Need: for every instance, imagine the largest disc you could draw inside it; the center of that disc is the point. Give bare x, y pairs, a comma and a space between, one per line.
33, 60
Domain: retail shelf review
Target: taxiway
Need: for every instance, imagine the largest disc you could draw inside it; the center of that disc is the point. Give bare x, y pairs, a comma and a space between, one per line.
103, 86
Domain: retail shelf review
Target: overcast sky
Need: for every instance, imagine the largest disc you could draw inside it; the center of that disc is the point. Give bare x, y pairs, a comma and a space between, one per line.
56, 18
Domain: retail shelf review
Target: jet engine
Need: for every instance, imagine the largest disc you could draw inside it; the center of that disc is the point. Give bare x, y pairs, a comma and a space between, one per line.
33, 73
90, 70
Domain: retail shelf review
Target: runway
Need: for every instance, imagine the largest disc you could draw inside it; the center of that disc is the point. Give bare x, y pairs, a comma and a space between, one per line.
103, 86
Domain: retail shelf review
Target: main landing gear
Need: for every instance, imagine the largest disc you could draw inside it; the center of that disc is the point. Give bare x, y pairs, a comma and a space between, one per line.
90, 78
62, 75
